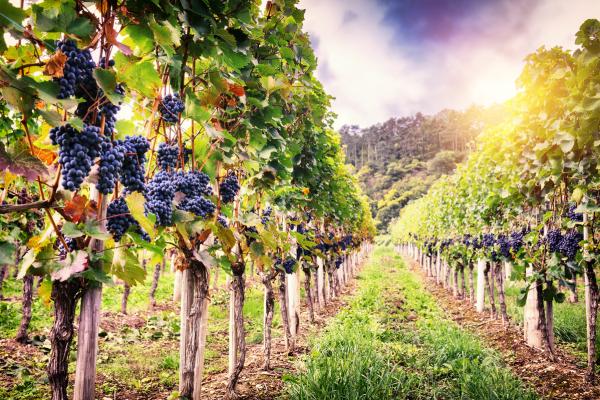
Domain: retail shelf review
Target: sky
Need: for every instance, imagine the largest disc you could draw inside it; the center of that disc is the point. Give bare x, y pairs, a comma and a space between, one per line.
392, 58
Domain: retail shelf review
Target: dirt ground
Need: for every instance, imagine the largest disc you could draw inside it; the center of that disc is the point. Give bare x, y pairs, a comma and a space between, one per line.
562, 379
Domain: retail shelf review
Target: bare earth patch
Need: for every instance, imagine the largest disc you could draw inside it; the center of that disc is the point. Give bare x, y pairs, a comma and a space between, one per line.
562, 379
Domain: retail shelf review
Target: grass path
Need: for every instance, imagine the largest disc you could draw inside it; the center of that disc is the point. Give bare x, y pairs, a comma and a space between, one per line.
394, 342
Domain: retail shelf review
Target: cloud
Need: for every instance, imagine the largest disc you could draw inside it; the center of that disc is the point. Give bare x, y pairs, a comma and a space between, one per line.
390, 58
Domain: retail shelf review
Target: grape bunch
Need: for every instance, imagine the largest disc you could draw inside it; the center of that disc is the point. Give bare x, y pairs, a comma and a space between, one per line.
229, 188
111, 162
288, 264
62, 252
338, 262
198, 205
221, 220
553, 239
77, 70
504, 246
572, 215
170, 107
569, 244
488, 240
118, 218
77, 152
167, 156
132, 170
193, 183
160, 193
266, 215
110, 110
516, 241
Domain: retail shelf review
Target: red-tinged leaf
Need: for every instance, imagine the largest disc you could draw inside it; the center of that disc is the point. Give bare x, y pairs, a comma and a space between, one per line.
18, 160
111, 36
80, 208
74, 263
236, 89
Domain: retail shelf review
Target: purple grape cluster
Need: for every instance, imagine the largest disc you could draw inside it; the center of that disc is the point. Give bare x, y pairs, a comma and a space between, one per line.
221, 220
77, 152
266, 215
488, 240
338, 262
110, 110
569, 244
503, 245
167, 156
111, 162
118, 218
288, 264
229, 188
77, 70
160, 193
133, 168
170, 107
192, 183
198, 205
62, 252
572, 215
516, 241
552, 240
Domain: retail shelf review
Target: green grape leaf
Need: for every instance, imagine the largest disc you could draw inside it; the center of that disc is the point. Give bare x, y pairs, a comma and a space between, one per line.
107, 80
135, 201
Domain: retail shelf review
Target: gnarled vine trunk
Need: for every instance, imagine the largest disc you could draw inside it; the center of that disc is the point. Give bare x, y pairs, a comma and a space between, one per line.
125, 298
22, 336
472, 283
3, 270
591, 305
65, 296
542, 326
154, 286
501, 293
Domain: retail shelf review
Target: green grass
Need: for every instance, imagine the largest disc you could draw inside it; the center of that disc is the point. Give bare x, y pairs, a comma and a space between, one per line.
393, 342
144, 359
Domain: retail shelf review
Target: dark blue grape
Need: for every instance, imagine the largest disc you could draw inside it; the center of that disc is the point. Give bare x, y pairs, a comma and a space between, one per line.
516, 241
569, 244
229, 188
77, 152
266, 215
193, 183
111, 163
160, 193
167, 156
222, 221
198, 205
553, 239
488, 240
118, 218
574, 216
133, 168
62, 252
77, 79
170, 107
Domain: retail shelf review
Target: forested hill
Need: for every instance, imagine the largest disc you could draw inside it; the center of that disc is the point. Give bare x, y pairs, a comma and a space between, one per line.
397, 160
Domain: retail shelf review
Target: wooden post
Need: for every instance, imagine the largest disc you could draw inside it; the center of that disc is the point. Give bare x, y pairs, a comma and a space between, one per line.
480, 305
89, 321
320, 283
531, 320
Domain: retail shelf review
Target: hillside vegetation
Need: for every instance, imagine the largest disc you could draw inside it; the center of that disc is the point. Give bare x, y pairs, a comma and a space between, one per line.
397, 160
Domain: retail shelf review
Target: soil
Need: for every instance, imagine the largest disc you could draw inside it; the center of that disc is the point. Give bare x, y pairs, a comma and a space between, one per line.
254, 383
562, 379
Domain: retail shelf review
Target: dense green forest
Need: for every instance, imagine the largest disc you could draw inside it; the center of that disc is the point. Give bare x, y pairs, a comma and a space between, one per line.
397, 160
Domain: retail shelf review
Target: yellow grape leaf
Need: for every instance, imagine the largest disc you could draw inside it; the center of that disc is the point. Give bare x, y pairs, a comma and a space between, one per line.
135, 201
